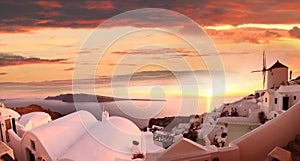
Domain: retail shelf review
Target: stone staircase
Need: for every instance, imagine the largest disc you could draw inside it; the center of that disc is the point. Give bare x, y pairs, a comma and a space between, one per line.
294, 148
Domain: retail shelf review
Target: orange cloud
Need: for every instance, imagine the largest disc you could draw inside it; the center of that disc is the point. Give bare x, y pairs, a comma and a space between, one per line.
206, 13
49, 4
295, 32
43, 22
68, 69
247, 35
99, 5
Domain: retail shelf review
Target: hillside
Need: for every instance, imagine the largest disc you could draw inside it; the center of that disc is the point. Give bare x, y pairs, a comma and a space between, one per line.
90, 98
36, 108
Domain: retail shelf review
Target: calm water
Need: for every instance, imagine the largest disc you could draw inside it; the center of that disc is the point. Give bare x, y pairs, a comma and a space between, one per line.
137, 111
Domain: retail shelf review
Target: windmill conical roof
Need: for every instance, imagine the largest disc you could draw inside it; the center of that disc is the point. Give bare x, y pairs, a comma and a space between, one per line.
277, 65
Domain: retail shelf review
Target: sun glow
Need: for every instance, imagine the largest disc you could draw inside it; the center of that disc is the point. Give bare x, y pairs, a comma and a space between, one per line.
262, 26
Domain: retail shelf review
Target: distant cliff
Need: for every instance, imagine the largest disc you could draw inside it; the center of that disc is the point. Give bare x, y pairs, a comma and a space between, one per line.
90, 98
36, 108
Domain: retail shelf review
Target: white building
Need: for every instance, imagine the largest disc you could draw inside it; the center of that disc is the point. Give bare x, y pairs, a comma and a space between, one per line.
76, 137
8, 119
280, 94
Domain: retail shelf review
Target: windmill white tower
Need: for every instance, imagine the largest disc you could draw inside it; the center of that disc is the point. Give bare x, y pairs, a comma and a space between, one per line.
277, 75
263, 70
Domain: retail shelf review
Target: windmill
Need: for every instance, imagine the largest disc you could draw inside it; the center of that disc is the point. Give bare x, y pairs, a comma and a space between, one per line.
264, 69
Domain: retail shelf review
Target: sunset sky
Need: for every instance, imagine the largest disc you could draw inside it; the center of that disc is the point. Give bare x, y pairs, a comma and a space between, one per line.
41, 42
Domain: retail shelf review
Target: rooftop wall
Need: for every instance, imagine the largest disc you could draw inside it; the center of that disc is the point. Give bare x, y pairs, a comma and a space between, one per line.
223, 154
278, 132
15, 143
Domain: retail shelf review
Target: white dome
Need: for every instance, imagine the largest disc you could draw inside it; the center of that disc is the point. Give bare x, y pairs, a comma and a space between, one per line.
34, 119
6, 112
116, 133
124, 124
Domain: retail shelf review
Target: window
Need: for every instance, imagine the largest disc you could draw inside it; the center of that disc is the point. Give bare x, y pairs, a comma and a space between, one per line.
216, 159
295, 97
275, 159
32, 144
8, 126
266, 99
275, 100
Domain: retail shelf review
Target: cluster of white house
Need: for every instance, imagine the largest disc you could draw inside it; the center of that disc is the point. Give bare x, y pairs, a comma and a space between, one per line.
281, 93
242, 116
80, 136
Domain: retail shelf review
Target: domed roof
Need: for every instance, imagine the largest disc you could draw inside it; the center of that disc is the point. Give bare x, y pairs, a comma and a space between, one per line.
34, 117
6, 112
124, 124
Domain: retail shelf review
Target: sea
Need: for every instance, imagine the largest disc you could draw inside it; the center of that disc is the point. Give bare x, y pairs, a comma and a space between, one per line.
139, 112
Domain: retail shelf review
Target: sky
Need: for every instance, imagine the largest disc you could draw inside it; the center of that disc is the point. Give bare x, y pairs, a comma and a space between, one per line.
119, 48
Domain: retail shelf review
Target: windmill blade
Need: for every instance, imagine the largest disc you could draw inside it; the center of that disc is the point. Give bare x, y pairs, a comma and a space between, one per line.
264, 62
256, 71
264, 79
264, 69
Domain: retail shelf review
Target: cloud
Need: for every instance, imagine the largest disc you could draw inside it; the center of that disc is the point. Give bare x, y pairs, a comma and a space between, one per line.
10, 59
295, 32
103, 83
174, 53
68, 69
272, 34
98, 5
122, 64
191, 30
155, 51
247, 35
236, 53
252, 40
49, 4
18, 16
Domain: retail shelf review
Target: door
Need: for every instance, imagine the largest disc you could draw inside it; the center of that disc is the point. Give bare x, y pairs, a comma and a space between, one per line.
285, 103
30, 155
13, 121
7, 157
1, 133
8, 126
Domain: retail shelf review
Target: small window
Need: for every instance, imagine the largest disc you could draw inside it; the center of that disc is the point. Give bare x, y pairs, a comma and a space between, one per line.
32, 144
295, 97
215, 159
275, 100
8, 124
266, 99
275, 159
